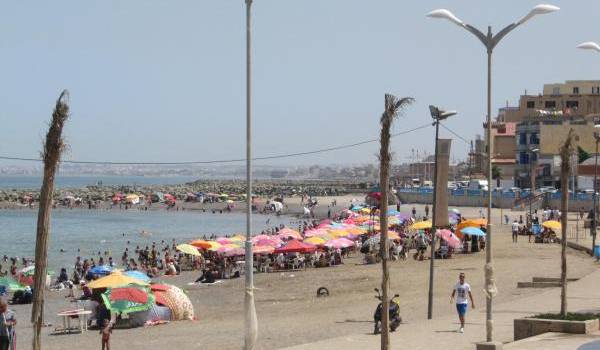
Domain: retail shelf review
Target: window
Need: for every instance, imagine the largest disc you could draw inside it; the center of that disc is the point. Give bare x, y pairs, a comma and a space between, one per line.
523, 158
550, 104
530, 104
596, 90
523, 138
556, 90
533, 139
572, 104
575, 90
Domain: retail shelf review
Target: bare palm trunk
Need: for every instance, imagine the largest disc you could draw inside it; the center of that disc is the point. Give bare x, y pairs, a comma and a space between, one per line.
53, 148
392, 104
565, 154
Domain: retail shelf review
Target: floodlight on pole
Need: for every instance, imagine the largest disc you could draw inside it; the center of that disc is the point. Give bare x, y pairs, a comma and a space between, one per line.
490, 41
438, 115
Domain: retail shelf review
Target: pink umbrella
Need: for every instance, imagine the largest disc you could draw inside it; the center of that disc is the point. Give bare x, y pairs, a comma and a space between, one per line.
263, 249
223, 240
316, 232
339, 243
269, 242
449, 237
287, 233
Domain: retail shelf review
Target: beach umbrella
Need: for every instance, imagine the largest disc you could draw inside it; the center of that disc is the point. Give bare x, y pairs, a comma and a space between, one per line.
316, 240
552, 224
316, 232
449, 237
223, 240
115, 279
265, 249
101, 270
421, 225
10, 284
138, 275
295, 246
339, 243
469, 223
210, 245
179, 303
288, 233
238, 237
455, 211
188, 249
473, 231
124, 300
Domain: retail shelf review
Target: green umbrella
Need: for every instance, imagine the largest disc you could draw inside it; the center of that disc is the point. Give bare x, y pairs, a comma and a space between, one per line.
128, 299
10, 284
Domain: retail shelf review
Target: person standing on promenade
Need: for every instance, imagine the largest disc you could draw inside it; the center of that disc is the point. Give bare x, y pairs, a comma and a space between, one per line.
7, 324
515, 231
460, 291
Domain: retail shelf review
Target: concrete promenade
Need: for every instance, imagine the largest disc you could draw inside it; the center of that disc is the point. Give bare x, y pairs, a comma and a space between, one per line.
441, 332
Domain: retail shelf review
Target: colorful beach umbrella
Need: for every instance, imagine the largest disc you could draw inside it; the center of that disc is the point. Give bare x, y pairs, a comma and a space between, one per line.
473, 231
114, 280
101, 270
295, 246
10, 284
449, 237
316, 240
421, 225
288, 233
204, 244
339, 243
552, 224
138, 275
129, 299
188, 249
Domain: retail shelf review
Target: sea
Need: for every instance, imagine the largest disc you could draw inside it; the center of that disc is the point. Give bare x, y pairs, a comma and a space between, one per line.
34, 182
85, 233
88, 233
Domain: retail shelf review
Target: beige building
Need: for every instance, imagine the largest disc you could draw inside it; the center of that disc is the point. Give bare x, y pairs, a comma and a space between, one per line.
543, 122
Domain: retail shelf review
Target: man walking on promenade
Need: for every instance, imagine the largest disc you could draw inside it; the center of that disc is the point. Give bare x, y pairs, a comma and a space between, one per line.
515, 231
460, 291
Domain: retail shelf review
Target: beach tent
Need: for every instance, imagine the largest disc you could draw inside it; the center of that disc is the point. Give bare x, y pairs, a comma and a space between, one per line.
155, 313
295, 246
177, 301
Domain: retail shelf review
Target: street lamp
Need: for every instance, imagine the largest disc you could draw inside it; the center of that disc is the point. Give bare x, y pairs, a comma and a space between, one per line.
251, 322
490, 41
590, 45
532, 184
438, 115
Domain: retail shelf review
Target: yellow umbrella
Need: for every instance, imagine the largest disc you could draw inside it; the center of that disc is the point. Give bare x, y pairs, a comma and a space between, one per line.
338, 233
238, 237
188, 249
315, 240
552, 224
421, 225
115, 279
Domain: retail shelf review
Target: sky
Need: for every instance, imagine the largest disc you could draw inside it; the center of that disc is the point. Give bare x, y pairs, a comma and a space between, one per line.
165, 80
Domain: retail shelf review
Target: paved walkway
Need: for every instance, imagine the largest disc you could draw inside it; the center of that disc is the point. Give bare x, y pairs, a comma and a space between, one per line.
583, 295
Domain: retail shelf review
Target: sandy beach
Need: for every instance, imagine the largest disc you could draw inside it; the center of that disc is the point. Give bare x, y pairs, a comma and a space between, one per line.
289, 312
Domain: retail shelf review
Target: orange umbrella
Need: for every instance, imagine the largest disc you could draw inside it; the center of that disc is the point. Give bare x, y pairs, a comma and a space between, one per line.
469, 223
200, 243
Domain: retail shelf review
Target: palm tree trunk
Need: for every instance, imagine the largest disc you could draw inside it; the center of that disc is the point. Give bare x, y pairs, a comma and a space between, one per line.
384, 168
565, 154
53, 148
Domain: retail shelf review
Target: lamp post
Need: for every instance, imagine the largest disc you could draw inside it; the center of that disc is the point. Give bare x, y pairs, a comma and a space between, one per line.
251, 322
490, 41
438, 115
590, 45
594, 221
532, 184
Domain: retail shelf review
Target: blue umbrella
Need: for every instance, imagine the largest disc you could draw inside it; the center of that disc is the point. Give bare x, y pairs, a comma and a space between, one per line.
101, 270
473, 231
138, 274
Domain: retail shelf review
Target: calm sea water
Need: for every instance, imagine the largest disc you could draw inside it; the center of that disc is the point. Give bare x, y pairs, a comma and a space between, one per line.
93, 231
79, 181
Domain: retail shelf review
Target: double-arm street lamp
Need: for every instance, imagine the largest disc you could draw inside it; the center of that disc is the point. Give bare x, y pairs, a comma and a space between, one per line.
490, 41
438, 115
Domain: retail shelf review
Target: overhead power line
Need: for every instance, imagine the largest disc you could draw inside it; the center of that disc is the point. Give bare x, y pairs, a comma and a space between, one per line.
221, 161
455, 134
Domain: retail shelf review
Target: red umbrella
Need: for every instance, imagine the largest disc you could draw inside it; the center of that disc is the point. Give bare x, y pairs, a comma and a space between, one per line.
295, 246
159, 287
135, 295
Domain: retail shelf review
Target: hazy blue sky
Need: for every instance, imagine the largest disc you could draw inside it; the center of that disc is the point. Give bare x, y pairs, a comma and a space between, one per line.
164, 80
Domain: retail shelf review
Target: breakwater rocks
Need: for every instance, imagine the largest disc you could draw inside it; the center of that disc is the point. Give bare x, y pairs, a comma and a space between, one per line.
198, 189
